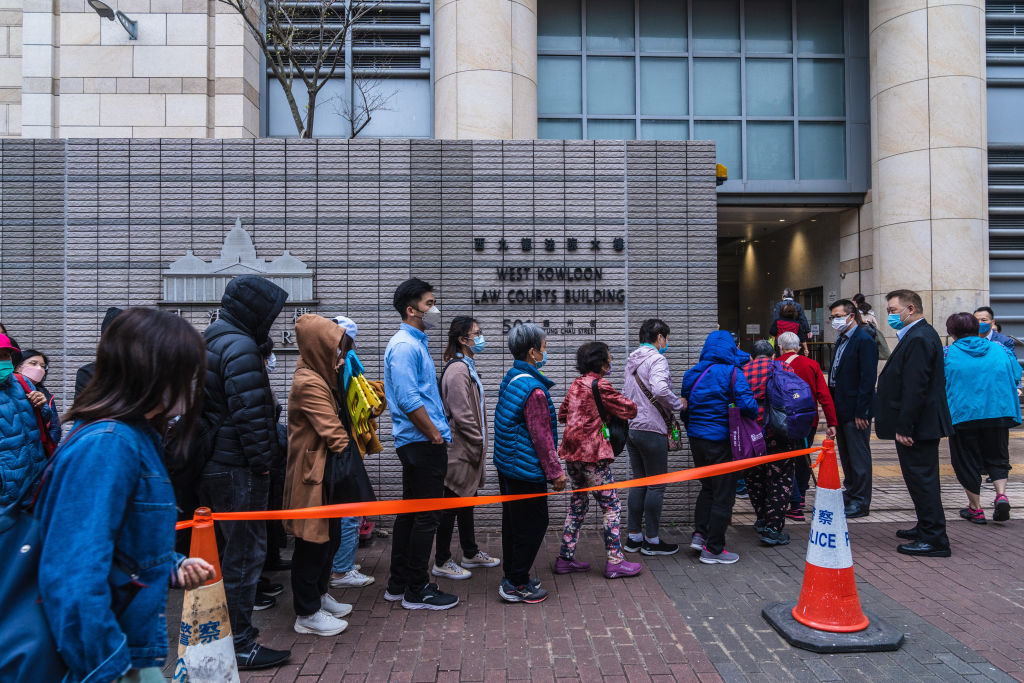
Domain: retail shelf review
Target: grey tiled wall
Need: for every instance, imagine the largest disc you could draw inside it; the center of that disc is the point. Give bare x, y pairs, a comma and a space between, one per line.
92, 223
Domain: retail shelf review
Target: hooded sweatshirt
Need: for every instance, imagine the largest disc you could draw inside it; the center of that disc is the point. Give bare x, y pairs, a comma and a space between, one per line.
981, 381
652, 369
707, 416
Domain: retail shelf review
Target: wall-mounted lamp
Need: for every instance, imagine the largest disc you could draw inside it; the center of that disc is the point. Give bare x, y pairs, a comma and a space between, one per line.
129, 24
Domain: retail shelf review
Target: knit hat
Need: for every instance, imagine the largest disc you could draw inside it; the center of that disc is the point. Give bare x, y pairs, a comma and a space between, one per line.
349, 325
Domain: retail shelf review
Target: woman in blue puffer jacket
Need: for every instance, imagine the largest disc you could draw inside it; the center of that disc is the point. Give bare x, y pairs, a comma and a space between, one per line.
981, 389
709, 388
22, 457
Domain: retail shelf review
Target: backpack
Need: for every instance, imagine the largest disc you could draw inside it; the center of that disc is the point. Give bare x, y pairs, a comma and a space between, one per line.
791, 411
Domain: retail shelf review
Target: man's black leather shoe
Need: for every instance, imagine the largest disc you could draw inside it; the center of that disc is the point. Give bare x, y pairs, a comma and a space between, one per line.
259, 657
909, 534
855, 511
923, 549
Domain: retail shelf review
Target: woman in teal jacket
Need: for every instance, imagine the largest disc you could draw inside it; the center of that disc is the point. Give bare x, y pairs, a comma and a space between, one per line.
981, 389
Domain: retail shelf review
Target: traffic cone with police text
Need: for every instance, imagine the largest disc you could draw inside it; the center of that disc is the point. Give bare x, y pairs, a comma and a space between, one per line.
206, 652
828, 616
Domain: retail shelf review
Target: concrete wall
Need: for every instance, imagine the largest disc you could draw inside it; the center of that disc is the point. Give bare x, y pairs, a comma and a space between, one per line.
10, 68
92, 223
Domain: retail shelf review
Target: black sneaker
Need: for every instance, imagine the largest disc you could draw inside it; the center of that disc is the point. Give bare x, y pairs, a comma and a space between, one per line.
533, 583
772, 537
263, 601
259, 657
759, 526
631, 546
659, 548
267, 587
429, 597
529, 593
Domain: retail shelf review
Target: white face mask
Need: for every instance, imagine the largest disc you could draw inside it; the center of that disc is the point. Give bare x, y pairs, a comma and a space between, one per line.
839, 324
272, 363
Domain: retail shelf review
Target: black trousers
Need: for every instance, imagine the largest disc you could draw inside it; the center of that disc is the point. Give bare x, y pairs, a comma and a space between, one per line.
242, 545
446, 528
920, 465
973, 451
523, 525
311, 570
717, 494
424, 466
855, 455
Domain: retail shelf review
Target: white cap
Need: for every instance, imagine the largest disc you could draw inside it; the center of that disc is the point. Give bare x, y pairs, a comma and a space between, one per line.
349, 325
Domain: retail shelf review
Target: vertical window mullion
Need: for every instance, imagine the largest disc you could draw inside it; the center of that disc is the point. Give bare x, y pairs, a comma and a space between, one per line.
796, 99
689, 65
636, 70
743, 90
583, 68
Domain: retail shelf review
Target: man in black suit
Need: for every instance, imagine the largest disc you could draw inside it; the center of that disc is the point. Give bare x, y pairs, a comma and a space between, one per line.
852, 382
911, 408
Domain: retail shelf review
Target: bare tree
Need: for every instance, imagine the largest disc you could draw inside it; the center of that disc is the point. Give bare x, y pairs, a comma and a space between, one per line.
368, 95
304, 40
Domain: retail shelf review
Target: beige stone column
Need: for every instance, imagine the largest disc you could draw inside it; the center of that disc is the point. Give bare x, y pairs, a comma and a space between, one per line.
928, 152
485, 69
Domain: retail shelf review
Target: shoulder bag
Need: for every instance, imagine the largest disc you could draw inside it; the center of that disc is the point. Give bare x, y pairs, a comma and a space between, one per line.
614, 429
675, 435
49, 447
345, 477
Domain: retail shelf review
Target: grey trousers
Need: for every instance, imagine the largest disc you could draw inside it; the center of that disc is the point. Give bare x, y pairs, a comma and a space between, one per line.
855, 455
648, 455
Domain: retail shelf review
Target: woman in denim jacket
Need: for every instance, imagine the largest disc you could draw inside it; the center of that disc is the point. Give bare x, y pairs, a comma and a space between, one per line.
108, 506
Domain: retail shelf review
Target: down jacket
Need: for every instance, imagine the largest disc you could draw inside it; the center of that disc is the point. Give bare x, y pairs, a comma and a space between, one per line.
22, 458
707, 416
239, 410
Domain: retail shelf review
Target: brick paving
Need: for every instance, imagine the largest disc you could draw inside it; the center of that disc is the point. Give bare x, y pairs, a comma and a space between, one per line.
681, 620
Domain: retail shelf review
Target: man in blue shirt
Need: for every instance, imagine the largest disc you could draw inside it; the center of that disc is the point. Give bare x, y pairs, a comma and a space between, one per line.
421, 433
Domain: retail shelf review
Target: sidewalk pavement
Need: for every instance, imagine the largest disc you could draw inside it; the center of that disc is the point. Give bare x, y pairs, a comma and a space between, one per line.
683, 620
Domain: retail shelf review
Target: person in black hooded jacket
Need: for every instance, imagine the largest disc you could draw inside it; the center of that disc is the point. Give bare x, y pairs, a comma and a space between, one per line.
84, 373
240, 423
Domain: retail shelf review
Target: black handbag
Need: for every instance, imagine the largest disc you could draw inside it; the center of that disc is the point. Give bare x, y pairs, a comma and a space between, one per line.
617, 428
345, 477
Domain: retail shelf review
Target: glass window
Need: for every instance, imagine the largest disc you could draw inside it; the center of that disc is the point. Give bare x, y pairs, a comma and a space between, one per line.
716, 87
663, 87
611, 129
611, 85
559, 129
558, 25
716, 25
819, 26
769, 87
770, 150
610, 25
664, 130
822, 151
559, 88
662, 25
821, 87
726, 135
767, 26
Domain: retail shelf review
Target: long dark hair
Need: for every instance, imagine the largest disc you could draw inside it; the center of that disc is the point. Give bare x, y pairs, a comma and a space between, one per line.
147, 360
460, 327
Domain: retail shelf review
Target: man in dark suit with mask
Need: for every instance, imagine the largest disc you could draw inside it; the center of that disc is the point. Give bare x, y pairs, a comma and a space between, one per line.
911, 408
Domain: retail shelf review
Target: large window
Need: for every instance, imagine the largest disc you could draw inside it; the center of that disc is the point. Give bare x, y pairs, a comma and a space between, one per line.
765, 79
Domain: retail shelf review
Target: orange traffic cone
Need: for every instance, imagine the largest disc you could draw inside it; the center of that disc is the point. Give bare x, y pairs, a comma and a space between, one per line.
828, 617
206, 652
828, 599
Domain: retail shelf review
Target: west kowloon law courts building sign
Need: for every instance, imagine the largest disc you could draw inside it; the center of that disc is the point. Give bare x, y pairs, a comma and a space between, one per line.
586, 238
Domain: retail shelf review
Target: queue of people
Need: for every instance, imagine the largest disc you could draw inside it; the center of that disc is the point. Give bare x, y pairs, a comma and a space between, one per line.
103, 588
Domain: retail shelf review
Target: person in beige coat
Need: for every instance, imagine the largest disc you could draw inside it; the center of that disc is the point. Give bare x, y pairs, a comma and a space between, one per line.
315, 430
463, 397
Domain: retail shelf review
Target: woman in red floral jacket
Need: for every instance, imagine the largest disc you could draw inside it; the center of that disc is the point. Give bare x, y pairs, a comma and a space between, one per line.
588, 459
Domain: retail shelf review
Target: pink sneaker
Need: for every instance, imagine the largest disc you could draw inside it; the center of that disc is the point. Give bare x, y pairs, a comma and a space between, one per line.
624, 568
564, 566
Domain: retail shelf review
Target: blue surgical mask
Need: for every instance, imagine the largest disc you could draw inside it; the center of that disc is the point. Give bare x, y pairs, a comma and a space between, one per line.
895, 322
542, 361
663, 350
478, 344
6, 369
983, 328
610, 366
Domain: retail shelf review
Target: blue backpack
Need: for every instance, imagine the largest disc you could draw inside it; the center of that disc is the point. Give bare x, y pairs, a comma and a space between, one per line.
791, 411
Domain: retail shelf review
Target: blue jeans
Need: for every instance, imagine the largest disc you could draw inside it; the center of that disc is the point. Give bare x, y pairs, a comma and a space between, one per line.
346, 555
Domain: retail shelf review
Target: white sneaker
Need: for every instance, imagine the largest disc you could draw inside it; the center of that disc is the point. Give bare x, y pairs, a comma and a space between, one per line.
450, 570
333, 607
351, 579
481, 559
320, 624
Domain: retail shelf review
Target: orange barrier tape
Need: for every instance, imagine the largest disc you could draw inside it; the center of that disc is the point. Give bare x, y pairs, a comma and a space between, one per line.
398, 507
